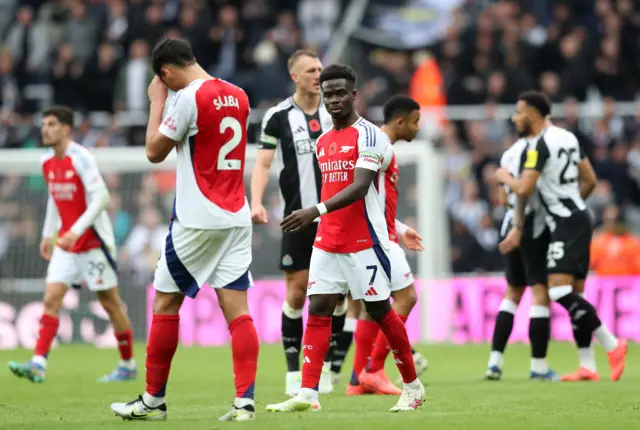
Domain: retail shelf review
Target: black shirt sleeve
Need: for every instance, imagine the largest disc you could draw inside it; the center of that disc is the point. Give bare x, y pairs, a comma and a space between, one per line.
537, 156
271, 130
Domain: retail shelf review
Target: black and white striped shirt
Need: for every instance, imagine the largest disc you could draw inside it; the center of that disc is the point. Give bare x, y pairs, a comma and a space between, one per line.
556, 154
288, 130
513, 159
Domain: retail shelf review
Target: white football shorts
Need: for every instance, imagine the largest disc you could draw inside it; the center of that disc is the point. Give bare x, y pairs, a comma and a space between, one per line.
192, 257
365, 274
97, 268
401, 276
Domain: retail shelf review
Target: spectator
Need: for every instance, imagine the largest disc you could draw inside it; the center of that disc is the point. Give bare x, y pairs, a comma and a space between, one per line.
614, 250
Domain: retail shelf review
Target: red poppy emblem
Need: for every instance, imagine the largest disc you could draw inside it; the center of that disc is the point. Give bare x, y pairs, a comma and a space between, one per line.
314, 125
333, 148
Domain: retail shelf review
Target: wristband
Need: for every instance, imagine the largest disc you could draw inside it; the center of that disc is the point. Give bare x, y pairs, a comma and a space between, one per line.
321, 208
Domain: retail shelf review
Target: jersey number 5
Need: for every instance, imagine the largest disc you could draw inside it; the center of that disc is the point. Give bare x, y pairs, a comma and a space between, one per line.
225, 163
571, 159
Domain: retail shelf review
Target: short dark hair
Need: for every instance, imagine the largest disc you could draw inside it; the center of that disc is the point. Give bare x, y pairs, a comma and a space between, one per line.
338, 71
63, 114
172, 51
537, 100
300, 53
398, 105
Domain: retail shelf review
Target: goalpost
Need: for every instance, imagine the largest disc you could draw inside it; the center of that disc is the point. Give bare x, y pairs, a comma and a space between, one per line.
136, 185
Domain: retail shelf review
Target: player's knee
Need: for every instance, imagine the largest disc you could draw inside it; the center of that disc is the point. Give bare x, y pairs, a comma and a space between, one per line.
52, 304
514, 294
323, 305
354, 308
296, 289
405, 300
233, 303
110, 301
378, 310
53, 297
540, 295
167, 303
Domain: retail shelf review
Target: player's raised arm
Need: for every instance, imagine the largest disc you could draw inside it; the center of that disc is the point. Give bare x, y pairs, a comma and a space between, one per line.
269, 140
164, 134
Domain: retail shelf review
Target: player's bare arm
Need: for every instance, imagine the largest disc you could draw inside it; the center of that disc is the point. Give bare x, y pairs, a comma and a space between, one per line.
410, 238
259, 181
522, 186
362, 180
512, 240
587, 177
157, 144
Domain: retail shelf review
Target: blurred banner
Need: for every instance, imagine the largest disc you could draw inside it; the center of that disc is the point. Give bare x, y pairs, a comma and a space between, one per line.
463, 310
82, 318
459, 310
406, 24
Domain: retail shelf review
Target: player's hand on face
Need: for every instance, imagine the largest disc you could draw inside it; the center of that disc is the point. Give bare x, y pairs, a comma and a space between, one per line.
157, 90
298, 220
502, 175
67, 241
412, 240
46, 248
259, 214
511, 242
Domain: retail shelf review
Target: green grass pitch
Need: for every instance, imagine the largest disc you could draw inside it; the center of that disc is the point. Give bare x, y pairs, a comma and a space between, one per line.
201, 389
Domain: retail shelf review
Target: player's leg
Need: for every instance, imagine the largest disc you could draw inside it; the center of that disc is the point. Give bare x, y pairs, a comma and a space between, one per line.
345, 338
335, 356
534, 257
369, 274
63, 271
244, 348
231, 279
178, 273
568, 258
405, 297
539, 333
327, 286
294, 261
516, 284
99, 273
113, 305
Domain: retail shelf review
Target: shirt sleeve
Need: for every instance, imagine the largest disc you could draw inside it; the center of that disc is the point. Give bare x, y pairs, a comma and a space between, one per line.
401, 228
537, 156
51, 219
180, 117
270, 133
372, 144
96, 191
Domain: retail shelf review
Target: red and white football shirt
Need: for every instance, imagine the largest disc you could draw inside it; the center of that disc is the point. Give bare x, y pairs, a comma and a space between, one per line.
209, 120
360, 225
72, 181
388, 191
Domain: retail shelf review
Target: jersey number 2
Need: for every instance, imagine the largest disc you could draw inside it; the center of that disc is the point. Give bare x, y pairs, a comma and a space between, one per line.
223, 162
569, 153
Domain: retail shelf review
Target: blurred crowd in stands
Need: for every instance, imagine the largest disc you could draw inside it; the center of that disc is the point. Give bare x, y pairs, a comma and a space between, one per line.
94, 56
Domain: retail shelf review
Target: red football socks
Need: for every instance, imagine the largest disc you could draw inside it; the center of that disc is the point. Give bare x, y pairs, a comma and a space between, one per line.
163, 342
244, 349
396, 334
125, 344
365, 337
315, 344
48, 329
381, 350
